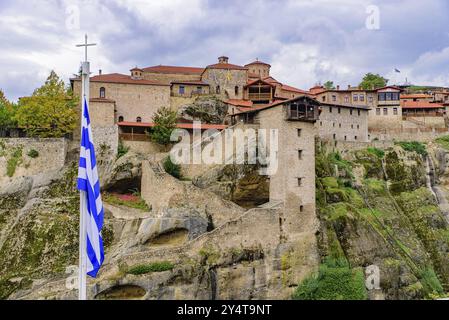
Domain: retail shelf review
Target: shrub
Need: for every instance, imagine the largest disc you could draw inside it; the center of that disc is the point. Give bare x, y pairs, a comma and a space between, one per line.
443, 142
334, 281
14, 162
377, 152
172, 168
149, 268
33, 154
165, 122
413, 146
121, 150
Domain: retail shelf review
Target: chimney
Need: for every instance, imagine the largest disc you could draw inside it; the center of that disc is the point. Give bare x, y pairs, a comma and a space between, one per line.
100, 72
338, 87
223, 60
349, 87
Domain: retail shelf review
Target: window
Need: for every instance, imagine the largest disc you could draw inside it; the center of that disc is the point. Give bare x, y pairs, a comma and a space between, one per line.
355, 138
321, 123
346, 138
330, 109
217, 90
300, 154
324, 98
339, 125
139, 120
333, 124
301, 208
346, 99
395, 111
334, 98
362, 98
236, 89
199, 90
355, 98
358, 126
370, 98
102, 92
182, 90
335, 136
395, 96
382, 96
339, 110
358, 113
377, 111
352, 126
299, 132
385, 111
299, 182
121, 119
350, 112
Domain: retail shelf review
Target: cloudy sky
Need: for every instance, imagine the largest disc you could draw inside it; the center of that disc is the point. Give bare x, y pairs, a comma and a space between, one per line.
306, 41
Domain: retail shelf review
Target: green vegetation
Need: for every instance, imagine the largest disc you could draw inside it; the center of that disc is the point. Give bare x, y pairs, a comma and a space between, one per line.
7, 112
13, 162
33, 154
373, 81
329, 85
413, 146
49, 112
135, 201
165, 122
377, 152
121, 150
172, 168
149, 268
443, 142
334, 281
430, 283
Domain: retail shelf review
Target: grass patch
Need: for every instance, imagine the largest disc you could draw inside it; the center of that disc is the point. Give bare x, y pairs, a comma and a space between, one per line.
334, 281
172, 168
13, 162
431, 285
150, 268
131, 201
413, 146
33, 154
443, 142
377, 152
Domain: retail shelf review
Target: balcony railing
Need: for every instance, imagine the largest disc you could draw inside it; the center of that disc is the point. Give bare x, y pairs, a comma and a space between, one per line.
260, 96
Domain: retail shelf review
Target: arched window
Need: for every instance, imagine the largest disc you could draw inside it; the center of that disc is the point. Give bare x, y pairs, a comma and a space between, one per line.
236, 90
217, 90
102, 92
139, 120
121, 119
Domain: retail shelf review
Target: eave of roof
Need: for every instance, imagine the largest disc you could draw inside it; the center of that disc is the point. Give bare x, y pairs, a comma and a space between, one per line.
121, 79
226, 66
179, 125
174, 70
421, 105
101, 100
193, 82
257, 62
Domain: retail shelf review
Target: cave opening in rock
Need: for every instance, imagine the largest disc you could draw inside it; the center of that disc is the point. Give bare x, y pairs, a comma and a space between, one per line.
172, 238
122, 292
126, 186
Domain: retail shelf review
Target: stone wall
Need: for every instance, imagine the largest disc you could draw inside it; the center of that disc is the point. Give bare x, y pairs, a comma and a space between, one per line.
168, 78
417, 134
227, 80
337, 123
51, 156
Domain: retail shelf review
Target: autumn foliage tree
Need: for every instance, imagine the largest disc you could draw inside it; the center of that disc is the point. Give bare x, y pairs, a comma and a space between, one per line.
50, 112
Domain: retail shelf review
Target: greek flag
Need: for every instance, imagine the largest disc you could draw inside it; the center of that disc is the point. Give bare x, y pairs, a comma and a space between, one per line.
89, 186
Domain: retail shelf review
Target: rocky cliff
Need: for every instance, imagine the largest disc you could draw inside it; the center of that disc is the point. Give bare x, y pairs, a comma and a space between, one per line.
209, 238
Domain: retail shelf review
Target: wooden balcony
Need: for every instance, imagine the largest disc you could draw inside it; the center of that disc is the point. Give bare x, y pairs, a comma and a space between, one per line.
260, 96
302, 112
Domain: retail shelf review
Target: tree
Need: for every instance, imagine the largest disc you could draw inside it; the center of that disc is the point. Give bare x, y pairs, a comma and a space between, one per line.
165, 122
329, 85
373, 81
7, 110
50, 111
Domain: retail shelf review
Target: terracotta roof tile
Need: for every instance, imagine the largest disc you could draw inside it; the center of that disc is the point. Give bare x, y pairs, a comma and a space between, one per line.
174, 70
420, 105
226, 66
190, 82
179, 125
258, 62
416, 96
240, 103
121, 78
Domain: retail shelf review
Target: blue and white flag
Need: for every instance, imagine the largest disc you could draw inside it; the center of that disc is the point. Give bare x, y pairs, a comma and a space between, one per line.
89, 185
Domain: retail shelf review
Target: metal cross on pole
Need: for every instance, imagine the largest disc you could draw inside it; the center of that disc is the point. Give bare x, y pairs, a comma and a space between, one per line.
82, 272
86, 45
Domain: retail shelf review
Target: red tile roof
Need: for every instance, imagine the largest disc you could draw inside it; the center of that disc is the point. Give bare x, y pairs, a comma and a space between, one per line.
271, 80
416, 96
174, 70
420, 105
240, 103
191, 82
258, 62
226, 66
121, 78
179, 125
251, 82
293, 89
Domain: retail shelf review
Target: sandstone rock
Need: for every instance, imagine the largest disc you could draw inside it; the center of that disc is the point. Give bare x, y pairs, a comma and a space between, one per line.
207, 109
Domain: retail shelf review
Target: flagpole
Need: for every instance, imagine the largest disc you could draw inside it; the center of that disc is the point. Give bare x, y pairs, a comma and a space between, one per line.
82, 281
